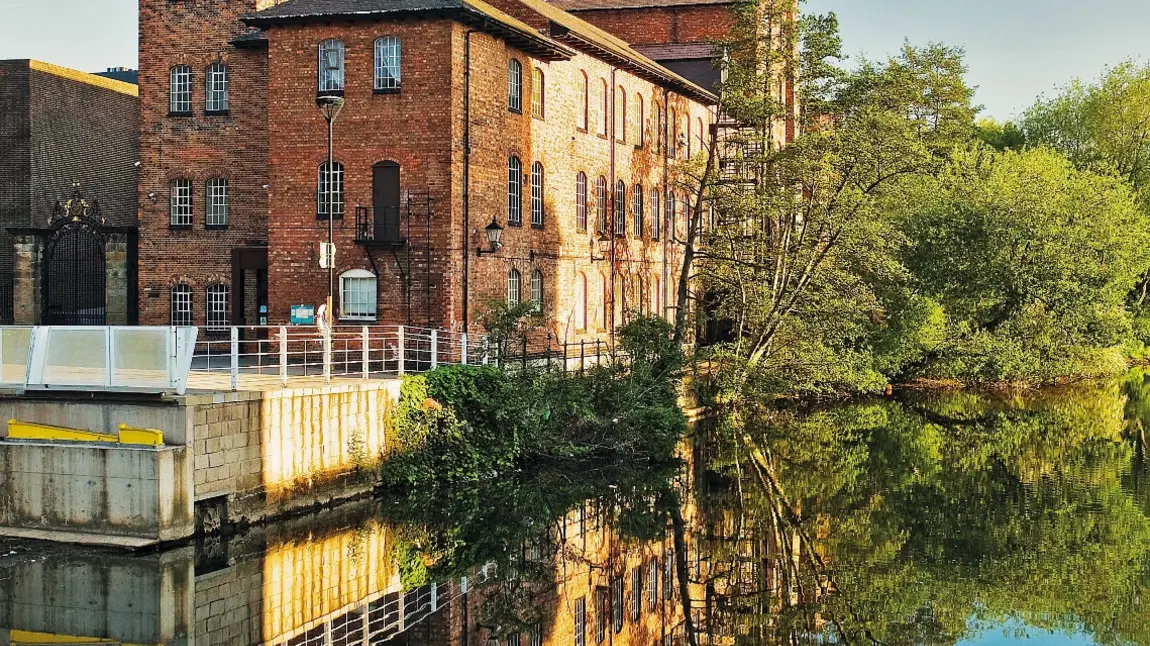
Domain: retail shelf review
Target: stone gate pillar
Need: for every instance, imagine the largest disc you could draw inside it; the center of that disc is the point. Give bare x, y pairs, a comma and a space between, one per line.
26, 276
117, 275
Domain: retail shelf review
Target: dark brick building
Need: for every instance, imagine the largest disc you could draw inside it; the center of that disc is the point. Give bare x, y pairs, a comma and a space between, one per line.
457, 114
62, 130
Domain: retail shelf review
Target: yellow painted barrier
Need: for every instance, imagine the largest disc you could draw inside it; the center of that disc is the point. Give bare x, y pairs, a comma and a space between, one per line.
29, 638
18, 430
145, 436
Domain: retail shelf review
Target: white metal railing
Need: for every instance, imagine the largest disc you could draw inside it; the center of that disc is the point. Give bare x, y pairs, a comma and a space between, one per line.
367, 352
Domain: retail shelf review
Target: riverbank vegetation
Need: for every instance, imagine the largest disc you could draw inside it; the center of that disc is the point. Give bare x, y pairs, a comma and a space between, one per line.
900, 238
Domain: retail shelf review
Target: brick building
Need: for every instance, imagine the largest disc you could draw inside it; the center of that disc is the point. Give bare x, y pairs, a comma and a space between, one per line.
458, 114
66, 134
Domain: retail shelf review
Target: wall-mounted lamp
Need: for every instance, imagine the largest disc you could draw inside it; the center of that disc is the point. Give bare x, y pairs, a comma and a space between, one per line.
494, 234
604, 244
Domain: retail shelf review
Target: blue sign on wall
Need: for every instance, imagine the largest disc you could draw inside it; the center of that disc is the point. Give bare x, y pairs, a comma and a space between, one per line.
303, 314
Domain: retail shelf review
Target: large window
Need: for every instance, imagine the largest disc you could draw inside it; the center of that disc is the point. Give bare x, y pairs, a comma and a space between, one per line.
637, 209
537, 93
217, 88
604, 107
640, 134
581, 302
181, 305
688, 141
537, 195
357, 295
217, 202
180, 90
673, 132
514, 191
217, 307
330, 191
537, 290
656, 297
602, 612
620, 208
580, 622
331, 66
656, 216
514, 86
657, 125
180, 207
606, 301
668, 575
671, 215
513, 279
620, 114
388, 54
601, 203
581, 201
584, 102
652, 584
617, 604
636, 592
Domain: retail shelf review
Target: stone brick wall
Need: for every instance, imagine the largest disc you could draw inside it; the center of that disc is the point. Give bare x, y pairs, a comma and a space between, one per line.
229, 604
198, 147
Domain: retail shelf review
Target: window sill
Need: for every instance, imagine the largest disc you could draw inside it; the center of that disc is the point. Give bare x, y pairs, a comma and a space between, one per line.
601, 136
215, 227
538, 117
325, 93
179, 114
387, 90
582, 130
356, 319
179, 227
537, 226
517, 225
515, 110
323, 217
217, 113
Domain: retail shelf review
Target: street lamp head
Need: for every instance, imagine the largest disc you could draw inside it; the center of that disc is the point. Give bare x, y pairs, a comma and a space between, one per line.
329, 105
604, 243
494, 235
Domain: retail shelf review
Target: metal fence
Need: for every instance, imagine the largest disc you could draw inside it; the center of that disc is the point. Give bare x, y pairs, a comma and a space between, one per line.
278, 353
554, 355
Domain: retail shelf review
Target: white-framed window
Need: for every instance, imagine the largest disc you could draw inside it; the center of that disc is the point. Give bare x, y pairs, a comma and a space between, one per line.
537, 634
329, 191
581, 622
180, 90
180, 204
538, 93
605, 300
637, 209
620, 208
640, 135
388, 56
513, 277
357, 295
652, 585
656, 216
581, 301
699, 130
331, 65
181, 305
636, 592
537, 195
689, 141
581, 201
673, 133
640, 296
514, 191
216, 90
621, 114
216, 198
513, 639
656, 297
601, 203
514, 86
584, 101
217, 307
537, 290
671, 199
604, 107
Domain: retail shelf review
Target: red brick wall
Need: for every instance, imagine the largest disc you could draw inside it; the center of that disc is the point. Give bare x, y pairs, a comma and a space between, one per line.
661, 25
198, 147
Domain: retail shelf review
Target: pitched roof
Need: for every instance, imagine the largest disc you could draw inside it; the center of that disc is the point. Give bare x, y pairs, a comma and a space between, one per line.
592, 5
84, 77
677, 51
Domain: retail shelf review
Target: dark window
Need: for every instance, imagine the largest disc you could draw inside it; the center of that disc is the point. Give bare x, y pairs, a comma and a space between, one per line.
331, 67
602, 612
652, 584
514, 86
217, 88
620, 208
514, 191
617, 604
180, 90
388, 54
601, 203
581, 201
637, 209
513, 279
180, 203
668, 575
537, 290
580, 621
536, 634
329, 191
656, 216
181, 305
217, 307
636, 592
537, 195
216, 200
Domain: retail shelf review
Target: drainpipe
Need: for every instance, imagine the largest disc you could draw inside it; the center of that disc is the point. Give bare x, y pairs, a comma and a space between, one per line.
668, 195
466, 176
614, 197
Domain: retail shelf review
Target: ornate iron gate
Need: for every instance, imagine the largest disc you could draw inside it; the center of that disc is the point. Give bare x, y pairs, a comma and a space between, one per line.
74, 279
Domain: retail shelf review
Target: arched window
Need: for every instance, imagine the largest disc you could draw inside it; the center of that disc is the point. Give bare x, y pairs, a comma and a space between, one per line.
329, 191
620, 208
537, 290
537, 195
671, 215
357, 295
513, 288
180, 90
584, 101
581, 201
581, 302
688, 137
606, 301
216, 198
656, 297
331, 66
656, 215
640, 125
673, 132
699, 131
216, 92
621, 114
601, 203
388, 58
657, 125
514, 86
604, 107
181, 305
180, 203
537, 93
637, 209
641, 297
217, 307
514, 192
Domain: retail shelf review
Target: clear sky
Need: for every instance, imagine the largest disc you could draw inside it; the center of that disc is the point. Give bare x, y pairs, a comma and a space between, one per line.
1016, 49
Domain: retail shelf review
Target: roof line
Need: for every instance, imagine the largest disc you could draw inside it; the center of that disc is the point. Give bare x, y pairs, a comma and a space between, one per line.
84, 77
651, 5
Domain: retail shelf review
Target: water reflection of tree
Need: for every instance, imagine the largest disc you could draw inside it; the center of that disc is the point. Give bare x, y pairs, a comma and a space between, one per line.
893, 523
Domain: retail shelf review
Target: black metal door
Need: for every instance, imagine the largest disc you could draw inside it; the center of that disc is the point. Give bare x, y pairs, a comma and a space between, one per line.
74, 278
385, 201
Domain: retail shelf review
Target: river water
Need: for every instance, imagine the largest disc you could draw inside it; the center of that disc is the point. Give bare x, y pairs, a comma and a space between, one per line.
920, 519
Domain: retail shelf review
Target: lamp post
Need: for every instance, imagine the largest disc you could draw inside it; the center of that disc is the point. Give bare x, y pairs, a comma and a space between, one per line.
330, 105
